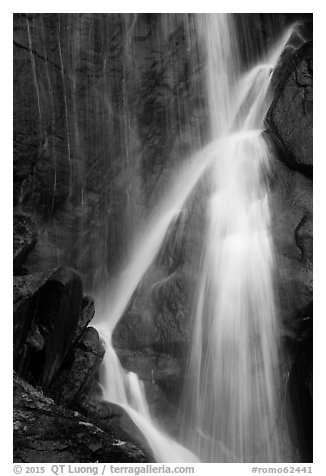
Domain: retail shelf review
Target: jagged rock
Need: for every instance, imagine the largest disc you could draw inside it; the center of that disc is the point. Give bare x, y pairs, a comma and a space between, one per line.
86, 315
291, 203
25, 287
79, 369
111, 417
290, 119
46, 313
47, 433
303, 238
25, 236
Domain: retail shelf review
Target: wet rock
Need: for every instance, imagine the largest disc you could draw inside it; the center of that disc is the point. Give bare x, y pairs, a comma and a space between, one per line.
303, 238
47, 433
300, 385
86, 315
152, 338
290, 118
113, 418
25, 236
46, 312
172, 313
291, 203
79, 369
24, 289
162, 376
159, 321
86, 177
51, 176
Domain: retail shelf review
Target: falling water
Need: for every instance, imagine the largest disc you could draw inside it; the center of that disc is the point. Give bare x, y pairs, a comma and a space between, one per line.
232, 390
231, 399
125, 389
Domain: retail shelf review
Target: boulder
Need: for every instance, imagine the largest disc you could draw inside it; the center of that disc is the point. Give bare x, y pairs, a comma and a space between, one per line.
290, 118
152, 338
162, 376
46, 313
113, 418
156, 318
25, 236
291, 204
86, 315
78, 370
47, 433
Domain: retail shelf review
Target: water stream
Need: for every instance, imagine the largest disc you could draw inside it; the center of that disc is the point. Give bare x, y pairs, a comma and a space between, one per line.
231, 400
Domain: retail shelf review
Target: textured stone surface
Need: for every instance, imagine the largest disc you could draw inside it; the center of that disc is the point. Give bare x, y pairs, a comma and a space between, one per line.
79, 369
47, 433
105, 105
86, 315
152, 337
113, 418
46, 313
289, 125
291, 201
290, 118
300, 385
24, 239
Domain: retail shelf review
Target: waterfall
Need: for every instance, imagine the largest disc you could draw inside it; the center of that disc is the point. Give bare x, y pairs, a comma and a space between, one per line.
231, 400
125, 389
233, 379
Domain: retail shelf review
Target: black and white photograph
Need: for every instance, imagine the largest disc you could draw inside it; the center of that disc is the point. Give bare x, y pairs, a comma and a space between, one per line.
162, 240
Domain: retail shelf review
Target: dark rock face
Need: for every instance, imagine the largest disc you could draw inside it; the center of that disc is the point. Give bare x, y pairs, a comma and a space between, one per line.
75, 379
290, 118
152, 338
45, 433
166, 328
113, 103
113, 418
56, 351
46, 313
289, 126
291, 199
300, 386
86, 315
25, 236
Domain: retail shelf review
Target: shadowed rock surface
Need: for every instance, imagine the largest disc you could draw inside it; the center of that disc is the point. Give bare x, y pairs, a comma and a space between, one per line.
111, 417
289, 126
46, 433
60, 355
290, 118
25, 236
114, 103
79, 369
46, 313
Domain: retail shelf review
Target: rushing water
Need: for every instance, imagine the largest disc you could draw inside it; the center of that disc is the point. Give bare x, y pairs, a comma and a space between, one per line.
231, 400
125, 389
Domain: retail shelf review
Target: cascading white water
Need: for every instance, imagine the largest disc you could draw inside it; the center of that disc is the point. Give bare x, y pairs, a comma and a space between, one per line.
231, 395
125, 389
234, 361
